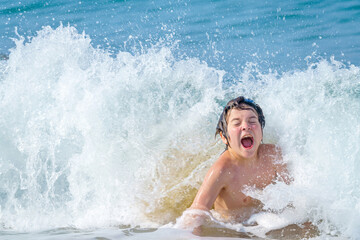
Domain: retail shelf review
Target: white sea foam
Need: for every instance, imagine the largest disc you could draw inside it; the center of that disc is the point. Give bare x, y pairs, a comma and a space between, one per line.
313, 115
82, 132
90, 140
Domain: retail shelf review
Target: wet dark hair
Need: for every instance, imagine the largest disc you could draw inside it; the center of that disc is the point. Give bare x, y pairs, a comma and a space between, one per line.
237, 103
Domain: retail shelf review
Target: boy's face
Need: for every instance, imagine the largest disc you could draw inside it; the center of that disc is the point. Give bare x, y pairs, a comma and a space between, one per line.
244, 131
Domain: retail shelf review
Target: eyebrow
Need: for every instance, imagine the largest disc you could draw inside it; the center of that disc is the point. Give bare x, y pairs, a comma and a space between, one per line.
237, 119
249, 109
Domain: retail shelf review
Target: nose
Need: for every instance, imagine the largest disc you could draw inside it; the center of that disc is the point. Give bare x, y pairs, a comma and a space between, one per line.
245, 127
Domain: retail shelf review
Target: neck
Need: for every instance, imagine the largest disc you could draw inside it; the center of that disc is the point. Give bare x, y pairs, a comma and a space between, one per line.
241, 159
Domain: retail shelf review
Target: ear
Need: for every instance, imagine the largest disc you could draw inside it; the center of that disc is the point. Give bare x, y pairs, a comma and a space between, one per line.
223, 138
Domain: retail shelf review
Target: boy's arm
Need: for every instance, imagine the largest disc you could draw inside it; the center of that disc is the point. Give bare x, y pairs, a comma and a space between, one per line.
213, 183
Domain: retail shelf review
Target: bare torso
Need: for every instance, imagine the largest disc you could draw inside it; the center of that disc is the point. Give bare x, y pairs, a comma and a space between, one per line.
232, 202
224, 185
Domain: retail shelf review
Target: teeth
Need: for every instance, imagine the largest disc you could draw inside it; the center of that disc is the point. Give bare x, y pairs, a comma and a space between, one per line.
247, 136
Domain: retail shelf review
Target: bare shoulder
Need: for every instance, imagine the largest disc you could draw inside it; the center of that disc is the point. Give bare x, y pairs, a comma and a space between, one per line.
223, 162
273, 154
222, 165
270, 151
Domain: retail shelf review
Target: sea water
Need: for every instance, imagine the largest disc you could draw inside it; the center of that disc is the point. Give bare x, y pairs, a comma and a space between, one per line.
108, 111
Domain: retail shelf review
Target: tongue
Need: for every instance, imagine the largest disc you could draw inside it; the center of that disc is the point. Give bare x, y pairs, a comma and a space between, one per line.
246, 142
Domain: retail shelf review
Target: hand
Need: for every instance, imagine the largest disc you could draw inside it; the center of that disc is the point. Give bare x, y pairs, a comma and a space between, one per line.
192, 219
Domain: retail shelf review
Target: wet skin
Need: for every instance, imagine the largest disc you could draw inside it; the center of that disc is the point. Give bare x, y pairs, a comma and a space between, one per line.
246, 162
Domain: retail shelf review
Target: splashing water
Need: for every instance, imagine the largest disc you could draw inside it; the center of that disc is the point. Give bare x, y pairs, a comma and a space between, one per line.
91, 140
313, 116
81, 130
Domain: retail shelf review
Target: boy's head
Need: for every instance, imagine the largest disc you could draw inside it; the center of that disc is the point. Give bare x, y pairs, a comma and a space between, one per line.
239, 103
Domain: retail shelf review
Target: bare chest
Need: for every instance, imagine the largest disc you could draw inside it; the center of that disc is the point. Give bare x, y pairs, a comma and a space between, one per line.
233, 197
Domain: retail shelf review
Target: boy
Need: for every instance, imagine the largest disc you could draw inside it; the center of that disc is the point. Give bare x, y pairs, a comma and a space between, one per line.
246, 161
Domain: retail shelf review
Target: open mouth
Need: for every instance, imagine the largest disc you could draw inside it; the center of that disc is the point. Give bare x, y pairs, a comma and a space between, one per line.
247, 142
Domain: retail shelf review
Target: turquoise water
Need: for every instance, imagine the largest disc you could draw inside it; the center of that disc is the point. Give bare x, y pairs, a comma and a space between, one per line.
108, 113
226, 34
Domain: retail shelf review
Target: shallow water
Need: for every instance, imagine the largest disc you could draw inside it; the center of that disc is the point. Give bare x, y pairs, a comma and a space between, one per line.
292, 232
122, 233
108, 119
